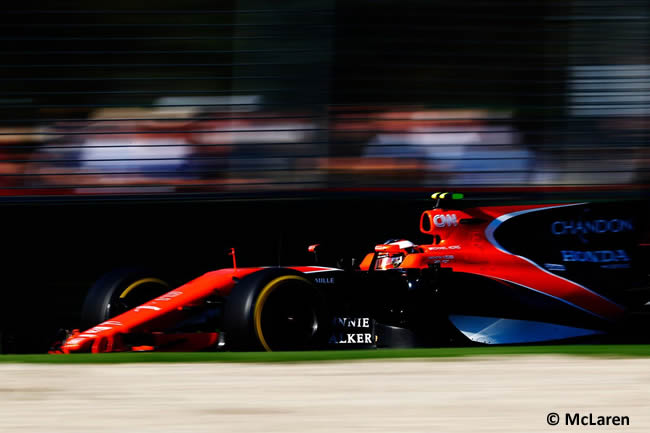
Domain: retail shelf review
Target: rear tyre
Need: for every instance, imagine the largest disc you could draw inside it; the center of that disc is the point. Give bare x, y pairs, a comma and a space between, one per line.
276, 309
119, 291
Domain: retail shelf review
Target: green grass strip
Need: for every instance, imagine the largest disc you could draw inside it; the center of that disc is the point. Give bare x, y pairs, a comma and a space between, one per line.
339, 355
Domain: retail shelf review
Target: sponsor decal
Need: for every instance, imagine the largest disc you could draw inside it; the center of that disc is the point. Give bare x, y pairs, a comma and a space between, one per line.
146, 307
323, 280
164, 298
97, 329
554, 267
619, 258
347, 322
104, 326
169, 295
616, 266
450, 247
441, 259
353, 330
359, 338
445, 220
582, 228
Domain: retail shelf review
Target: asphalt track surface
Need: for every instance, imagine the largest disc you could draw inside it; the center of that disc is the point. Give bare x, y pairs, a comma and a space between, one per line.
495, 394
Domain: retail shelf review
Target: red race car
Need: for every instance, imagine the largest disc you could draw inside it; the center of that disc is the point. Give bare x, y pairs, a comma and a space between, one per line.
490, 274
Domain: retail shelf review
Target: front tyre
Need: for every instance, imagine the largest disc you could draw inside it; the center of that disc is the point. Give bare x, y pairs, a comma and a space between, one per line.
119, 291
276, 309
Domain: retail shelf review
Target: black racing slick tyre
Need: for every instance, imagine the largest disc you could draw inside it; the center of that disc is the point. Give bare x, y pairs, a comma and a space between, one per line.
276, 309
119, 291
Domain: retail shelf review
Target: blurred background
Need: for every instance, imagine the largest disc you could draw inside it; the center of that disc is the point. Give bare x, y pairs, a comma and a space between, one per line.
196, 98
163, 133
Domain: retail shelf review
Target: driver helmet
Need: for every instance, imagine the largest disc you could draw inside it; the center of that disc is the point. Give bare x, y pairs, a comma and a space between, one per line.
391, 253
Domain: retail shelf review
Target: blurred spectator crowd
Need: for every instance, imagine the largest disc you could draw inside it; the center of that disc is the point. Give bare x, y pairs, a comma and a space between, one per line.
242, 147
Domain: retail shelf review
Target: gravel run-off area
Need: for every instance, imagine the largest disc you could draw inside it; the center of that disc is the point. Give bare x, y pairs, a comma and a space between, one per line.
495, 394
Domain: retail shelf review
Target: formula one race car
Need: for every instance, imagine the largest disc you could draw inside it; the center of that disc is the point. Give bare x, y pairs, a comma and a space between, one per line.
491, 274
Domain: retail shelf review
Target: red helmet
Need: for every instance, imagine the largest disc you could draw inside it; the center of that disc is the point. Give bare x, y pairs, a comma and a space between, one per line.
391, 253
